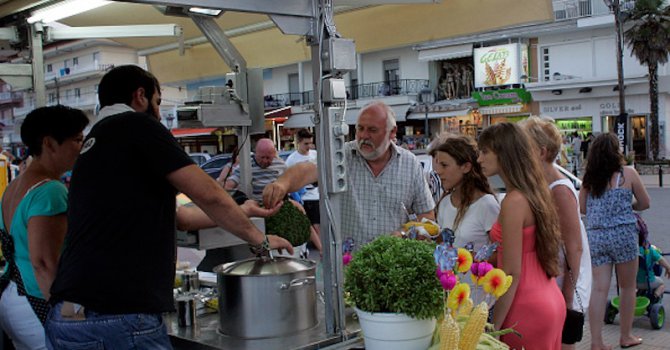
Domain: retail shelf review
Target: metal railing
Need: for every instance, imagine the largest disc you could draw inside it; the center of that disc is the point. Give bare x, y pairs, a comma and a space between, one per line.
387, 88
289, 99
570, 9
78, 69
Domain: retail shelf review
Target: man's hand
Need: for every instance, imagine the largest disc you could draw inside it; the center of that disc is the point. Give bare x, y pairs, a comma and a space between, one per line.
251, 208
273, 194
279, 243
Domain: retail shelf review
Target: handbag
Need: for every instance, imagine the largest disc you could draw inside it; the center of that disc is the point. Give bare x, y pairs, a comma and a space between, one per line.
573, 328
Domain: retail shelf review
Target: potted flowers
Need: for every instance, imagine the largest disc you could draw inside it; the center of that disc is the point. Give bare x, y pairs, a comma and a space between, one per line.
464, 325
397, 296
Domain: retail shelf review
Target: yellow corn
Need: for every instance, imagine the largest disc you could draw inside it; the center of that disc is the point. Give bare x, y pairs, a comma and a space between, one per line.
474, 327
449, 334
466, 307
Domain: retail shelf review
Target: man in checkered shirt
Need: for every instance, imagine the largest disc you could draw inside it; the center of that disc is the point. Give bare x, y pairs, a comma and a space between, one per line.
382, 178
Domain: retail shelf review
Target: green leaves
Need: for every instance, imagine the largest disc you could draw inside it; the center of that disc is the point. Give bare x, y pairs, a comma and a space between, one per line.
395, 275
289, 223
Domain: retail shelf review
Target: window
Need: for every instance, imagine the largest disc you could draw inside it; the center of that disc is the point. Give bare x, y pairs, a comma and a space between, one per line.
50, 68
75, 61
77, 93
267, 74
65, 63
68, 94
545, 64
52, 97
391, 77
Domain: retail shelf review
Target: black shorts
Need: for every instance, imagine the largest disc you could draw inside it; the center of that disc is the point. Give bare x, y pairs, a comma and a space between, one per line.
312, 209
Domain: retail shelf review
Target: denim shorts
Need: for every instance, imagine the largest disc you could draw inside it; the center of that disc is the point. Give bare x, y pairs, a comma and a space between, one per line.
614, 245
106, 331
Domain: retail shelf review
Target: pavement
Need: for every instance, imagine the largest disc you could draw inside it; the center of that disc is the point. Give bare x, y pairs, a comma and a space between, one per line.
657, 221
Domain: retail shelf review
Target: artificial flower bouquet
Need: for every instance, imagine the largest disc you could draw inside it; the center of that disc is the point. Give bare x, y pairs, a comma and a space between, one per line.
465, 326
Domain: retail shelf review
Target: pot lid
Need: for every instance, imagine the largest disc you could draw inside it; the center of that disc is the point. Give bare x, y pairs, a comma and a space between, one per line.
265, 266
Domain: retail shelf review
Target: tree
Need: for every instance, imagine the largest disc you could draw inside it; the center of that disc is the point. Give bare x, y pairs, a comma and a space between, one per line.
649, 40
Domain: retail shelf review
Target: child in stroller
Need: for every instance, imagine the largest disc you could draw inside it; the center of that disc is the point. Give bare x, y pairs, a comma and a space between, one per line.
650, 257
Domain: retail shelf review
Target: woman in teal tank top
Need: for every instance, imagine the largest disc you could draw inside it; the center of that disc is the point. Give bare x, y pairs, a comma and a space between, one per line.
33, 222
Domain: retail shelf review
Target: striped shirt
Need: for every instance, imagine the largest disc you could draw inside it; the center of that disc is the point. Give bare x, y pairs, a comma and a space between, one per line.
260, 177
372, 206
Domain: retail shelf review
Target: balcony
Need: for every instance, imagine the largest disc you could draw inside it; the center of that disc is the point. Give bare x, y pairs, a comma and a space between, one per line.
388, 88
571, 9
360, 91
11, 97
78, 70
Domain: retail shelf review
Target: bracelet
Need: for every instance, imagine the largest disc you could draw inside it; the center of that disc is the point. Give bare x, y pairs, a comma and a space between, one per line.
261, 249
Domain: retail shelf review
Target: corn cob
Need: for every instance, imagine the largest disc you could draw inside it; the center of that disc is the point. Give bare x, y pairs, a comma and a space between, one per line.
449, 334
466, 308
474, 327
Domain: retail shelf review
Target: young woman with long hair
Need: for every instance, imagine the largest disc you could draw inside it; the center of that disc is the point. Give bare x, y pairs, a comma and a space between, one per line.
548, 141
606, 197
468, 205
529, 236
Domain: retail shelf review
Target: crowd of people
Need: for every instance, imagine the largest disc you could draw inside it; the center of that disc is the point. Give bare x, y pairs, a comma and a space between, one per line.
65, 248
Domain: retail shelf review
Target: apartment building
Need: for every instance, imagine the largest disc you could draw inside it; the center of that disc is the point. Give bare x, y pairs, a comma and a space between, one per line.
564, 69
72, 71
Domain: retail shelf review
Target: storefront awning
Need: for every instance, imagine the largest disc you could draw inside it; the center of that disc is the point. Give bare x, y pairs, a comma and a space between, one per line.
399, 110
300, 120
192, 132
445, 53
438, 115
278, 113
501, 109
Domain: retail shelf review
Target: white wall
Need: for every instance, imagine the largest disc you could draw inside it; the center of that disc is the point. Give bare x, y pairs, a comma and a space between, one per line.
410, 67
279, 82
588, 54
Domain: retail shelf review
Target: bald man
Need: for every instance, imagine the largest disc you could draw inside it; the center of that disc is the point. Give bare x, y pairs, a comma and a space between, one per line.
266, 167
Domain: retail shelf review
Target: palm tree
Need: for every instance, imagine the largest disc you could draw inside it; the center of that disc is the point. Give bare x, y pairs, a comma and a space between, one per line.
649, 40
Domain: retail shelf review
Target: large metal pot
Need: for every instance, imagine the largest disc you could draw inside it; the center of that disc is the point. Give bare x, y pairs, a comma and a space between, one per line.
263, 298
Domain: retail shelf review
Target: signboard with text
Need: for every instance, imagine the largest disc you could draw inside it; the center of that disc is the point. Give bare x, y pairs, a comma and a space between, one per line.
498, 65
501, 97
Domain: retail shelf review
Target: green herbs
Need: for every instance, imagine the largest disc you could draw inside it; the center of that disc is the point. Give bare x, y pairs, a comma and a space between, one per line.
289, 223
395, 275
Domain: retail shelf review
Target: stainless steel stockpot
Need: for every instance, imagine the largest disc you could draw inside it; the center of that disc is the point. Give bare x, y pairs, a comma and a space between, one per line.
263, 298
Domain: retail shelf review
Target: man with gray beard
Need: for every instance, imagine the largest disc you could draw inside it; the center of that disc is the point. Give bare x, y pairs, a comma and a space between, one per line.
382, 178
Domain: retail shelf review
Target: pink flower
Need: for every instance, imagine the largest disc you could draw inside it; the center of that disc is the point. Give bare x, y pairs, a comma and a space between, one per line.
448, 280
481, 268
346, 258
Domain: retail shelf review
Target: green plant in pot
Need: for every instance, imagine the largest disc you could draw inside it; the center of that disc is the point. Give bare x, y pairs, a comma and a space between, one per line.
391, 276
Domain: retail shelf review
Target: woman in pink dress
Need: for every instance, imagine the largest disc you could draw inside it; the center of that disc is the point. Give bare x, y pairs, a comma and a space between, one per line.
529, 237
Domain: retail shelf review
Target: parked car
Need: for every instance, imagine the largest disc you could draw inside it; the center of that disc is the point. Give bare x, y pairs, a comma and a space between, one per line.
200, 157
214, 165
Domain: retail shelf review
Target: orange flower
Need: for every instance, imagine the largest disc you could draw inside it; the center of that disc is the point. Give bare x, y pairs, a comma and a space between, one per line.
464, 260
496, 282
458, 295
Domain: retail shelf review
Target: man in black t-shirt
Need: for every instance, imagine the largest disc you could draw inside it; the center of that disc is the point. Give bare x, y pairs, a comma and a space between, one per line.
116, 272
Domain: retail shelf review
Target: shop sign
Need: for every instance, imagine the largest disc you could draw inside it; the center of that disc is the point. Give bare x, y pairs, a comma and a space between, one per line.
499, 65
501, 97
562, 108
612, 108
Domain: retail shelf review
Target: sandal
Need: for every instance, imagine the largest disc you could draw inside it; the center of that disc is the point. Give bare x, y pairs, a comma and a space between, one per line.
630, 345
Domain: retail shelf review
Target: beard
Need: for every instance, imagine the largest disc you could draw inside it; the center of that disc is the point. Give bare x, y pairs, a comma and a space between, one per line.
377, 152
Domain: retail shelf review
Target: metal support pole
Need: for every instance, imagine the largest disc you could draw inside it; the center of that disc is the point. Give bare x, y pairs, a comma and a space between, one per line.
425, 126
36, 33
660, 176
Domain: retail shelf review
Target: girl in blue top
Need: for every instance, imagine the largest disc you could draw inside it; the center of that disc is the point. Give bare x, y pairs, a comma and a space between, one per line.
33, 222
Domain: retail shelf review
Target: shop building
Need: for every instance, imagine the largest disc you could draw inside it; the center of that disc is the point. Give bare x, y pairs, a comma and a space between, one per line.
577, 85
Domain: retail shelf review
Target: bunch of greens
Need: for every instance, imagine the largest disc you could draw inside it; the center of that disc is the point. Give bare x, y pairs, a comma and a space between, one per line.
289, 223
395, 275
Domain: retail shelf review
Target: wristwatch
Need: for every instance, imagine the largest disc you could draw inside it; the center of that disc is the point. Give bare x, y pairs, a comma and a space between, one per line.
262, 249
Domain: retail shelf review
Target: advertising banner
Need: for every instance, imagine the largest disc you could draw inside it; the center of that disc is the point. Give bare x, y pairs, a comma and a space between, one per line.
498, 65
501, 97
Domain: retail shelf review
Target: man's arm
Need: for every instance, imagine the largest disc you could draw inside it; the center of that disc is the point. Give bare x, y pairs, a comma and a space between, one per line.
219, 206
292, 180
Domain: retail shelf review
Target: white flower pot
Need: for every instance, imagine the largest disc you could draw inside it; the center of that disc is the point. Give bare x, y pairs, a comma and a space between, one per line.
389, 331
